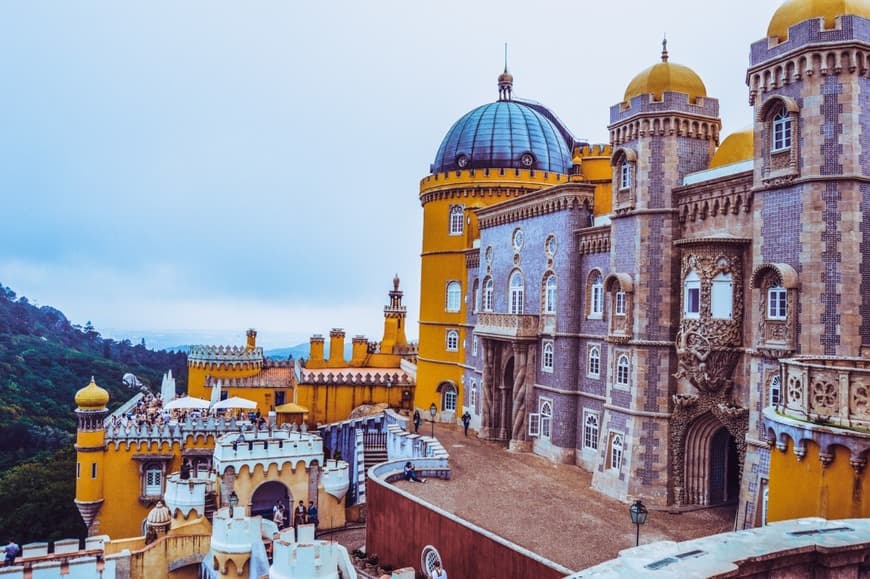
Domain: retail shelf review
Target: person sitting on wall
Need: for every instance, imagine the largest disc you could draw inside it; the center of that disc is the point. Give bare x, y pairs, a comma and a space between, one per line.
410, 473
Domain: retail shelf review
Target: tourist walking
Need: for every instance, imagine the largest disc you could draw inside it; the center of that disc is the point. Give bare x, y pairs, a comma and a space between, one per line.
11, 550
466, 420
418, 420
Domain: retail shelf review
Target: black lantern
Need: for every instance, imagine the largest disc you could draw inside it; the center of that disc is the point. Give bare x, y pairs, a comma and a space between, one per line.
234, 502
433, 410
638, 517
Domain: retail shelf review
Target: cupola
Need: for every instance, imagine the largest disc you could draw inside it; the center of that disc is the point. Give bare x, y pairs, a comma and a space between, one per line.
737, 147
92, 397
665, 77
795, 11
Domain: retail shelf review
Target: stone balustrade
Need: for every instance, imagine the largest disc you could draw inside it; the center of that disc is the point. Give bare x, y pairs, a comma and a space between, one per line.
833, 391
507, 325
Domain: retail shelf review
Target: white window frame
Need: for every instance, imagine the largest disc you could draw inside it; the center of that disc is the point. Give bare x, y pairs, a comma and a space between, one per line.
692, 291
534, 424
150, 488
593, 362
475, 398
448, 399
624, 176
474, 344
596, 297
451, 343
454, 296
475, 296
775, 391
777, 303
619, 307
623, 370
517, 291
457, 220
545, 410
617, 450
591, 429
550, 294
781, 131
547, 356
488, 288
722, 297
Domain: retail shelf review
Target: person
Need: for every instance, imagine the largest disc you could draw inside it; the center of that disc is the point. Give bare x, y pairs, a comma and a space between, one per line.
438, 571
312, 514
300, 514
12, 550
466, 420
278, 508
410, 473
278, 518
418, 420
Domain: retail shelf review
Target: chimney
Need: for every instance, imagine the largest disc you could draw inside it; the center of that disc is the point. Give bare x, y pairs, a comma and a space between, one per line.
315, 354
359, 351
336, 348
252, 340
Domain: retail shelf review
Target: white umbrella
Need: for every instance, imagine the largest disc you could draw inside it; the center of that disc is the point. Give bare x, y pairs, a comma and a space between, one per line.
234, 402
188, 402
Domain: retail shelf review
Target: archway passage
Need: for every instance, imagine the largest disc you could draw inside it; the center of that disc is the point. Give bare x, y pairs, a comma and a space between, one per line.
265, 497
712, 468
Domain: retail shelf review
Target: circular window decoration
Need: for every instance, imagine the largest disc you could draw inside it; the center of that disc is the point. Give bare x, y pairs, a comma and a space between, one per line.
519, 238
488, 254
427, 559
550, 245
527, 160
462, 161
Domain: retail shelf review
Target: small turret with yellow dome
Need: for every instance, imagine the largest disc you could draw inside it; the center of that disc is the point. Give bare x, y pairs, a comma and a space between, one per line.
90, 452
737, 147
796, 11
664, 77
92, 397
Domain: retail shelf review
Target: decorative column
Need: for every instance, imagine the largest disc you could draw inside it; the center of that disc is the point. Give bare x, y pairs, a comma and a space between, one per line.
486, 420
519, 425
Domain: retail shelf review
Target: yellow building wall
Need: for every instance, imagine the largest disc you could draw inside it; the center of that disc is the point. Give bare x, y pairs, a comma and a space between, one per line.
335, 402
805, 489
196, 374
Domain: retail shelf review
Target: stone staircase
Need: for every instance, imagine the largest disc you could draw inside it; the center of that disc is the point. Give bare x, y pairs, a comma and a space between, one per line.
210, 504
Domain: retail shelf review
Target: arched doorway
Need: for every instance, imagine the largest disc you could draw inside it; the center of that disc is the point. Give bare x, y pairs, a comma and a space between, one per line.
712, 472
265, 497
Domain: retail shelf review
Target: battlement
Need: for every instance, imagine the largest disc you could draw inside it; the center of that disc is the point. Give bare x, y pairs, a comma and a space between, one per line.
596, 150
259, 381
173, 431
304, 556
230, 355
357, 376
267, 447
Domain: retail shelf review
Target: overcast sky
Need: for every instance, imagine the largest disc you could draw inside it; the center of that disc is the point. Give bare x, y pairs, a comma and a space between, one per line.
196, 168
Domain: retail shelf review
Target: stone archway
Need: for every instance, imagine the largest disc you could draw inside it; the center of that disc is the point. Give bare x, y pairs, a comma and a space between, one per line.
266, 495
711, 465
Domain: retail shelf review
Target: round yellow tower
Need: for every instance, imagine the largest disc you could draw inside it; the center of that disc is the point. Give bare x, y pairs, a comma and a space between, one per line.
492, 154
90, 447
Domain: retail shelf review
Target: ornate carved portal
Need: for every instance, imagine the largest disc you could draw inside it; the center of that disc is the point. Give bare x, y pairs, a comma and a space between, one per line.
507, 392
694, 423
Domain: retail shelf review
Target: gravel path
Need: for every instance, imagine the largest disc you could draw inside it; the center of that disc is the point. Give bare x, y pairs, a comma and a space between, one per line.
549, 508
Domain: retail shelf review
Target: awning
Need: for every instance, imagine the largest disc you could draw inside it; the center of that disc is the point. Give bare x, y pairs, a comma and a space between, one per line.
291, 408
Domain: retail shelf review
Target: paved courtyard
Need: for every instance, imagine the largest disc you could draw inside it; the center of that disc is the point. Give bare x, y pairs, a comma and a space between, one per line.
548, 508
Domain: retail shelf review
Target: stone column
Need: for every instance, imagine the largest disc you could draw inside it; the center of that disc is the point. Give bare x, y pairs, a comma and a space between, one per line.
519, 424
487, 388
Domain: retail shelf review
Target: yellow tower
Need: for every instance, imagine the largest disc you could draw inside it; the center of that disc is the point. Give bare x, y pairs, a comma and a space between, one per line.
90, 447
494, 153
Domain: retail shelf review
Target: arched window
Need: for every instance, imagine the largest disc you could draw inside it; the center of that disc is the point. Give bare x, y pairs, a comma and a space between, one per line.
781, 131
487, 294
622, 370
596, 296
692, 307
517, 291
775, 391
457, 220
777, 303
593, 368
619, 307
550, 295
590, 430
452, 341
615, 450
474, 398
722, 297
448, 399
475, 296
624, 175
153, 481
547, 356
546, 417
454, 296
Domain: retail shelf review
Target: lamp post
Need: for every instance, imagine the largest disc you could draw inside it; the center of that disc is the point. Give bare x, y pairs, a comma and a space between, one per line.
234, 501
433, 410
638, 517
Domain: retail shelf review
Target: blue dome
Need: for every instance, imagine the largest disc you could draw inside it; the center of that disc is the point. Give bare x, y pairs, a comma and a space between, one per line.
506, 134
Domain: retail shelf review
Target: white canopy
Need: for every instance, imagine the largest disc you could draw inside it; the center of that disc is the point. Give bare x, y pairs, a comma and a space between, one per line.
234, 402
188, 402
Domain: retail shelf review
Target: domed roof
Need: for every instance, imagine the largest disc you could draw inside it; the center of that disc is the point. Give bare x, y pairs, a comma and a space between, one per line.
92, 397
666, 76
738, 146
795, 11
159, 515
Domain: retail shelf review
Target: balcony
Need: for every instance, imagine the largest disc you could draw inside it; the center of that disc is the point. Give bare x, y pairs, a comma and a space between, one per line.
833, 391
507, 326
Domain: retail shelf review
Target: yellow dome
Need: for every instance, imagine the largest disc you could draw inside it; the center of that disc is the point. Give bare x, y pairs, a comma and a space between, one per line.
666, 76
795, 11
736, 147
92, 397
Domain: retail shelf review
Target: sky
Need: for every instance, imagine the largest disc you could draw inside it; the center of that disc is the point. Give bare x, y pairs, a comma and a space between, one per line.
183, 171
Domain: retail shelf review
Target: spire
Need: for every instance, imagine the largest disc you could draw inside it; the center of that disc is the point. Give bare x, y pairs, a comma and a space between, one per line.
505, 80
665, 48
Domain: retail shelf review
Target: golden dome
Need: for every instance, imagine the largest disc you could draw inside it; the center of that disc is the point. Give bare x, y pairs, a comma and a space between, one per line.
92, 397
736, 147
795, 11
666, 76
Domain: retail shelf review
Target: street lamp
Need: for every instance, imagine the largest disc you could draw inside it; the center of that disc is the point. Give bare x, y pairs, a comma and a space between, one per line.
433, 410
234, 501
638, 517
